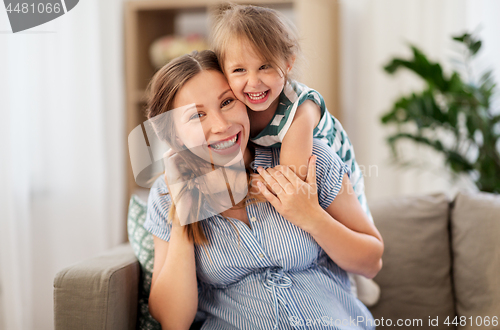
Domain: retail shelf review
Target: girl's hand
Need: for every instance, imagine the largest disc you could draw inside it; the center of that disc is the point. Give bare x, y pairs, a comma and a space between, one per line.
294, 199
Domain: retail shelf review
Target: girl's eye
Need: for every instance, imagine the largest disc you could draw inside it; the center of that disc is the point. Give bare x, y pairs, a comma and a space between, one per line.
238, 70
226, 103
265, 66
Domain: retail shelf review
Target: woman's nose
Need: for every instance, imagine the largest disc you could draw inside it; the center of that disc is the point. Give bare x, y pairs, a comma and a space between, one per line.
219, 123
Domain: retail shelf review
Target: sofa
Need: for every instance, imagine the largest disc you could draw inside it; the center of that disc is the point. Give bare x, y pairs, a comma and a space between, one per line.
441, 270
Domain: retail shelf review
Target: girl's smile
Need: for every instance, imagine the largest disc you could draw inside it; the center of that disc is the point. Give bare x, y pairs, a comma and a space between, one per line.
257, 98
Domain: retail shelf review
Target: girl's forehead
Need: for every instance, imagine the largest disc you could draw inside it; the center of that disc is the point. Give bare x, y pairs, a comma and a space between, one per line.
243, 46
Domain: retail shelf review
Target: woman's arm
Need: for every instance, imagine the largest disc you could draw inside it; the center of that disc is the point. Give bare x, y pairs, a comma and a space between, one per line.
343, 230
296, 147
346, 234
173, 300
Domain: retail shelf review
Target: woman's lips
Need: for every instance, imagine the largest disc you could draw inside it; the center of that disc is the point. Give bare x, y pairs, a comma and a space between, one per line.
226, 146
256, 98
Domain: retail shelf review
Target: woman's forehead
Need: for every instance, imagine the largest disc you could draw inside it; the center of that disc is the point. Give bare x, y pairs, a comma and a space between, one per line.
207, 86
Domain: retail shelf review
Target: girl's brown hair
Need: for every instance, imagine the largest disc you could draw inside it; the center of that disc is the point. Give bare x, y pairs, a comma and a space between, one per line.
269, 33
161, 93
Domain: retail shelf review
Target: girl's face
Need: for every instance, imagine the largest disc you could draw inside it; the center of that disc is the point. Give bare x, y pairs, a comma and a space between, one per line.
209, 120
253, 80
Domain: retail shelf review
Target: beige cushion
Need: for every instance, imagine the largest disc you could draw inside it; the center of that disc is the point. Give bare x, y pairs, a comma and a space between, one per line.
415, 279
476, 247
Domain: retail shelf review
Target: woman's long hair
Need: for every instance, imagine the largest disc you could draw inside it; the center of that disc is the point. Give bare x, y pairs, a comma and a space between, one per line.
161, 93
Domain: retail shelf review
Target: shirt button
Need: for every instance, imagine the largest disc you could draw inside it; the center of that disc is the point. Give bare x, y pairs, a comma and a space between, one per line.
253, 219
261, 256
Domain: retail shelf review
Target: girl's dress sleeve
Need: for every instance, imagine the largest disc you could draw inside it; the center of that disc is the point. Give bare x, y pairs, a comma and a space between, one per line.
159, 203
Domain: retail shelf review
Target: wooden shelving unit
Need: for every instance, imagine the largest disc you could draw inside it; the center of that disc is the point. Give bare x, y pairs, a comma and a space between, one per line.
147, 20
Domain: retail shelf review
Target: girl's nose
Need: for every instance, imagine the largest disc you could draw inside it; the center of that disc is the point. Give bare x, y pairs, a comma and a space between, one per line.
253, 80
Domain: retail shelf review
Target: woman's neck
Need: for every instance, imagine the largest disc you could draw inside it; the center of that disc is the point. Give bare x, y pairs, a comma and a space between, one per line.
249, 154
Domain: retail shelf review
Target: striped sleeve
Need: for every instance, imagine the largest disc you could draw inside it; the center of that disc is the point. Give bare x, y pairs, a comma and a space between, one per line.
330, 171
158, 207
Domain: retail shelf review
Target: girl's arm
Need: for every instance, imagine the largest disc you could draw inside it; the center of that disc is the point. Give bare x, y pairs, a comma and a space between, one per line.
343, 229
296, 147
173, 300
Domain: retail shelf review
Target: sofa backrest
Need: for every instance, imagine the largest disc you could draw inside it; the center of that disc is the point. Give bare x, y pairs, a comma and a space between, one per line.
415, 279
441, 261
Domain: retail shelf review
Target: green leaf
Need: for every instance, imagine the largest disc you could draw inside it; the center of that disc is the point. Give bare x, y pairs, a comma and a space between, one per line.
462, 38
474, 47
457, 99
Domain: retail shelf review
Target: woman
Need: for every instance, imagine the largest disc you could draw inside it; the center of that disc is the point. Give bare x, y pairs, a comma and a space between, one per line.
276, 264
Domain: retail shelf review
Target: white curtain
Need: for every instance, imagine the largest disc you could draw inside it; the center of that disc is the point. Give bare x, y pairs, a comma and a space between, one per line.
374, 31
62, 153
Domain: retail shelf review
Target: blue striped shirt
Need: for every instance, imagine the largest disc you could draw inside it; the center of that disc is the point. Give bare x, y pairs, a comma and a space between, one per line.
273, 273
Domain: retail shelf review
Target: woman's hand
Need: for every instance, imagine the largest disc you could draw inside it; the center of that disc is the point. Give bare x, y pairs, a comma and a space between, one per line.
182, 201
294, 199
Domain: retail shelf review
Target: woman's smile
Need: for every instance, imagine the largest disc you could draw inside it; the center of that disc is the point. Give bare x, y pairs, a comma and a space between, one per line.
217, 127
224, 144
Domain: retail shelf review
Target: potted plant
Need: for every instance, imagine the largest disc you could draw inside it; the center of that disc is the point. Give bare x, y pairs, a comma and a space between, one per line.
452, 115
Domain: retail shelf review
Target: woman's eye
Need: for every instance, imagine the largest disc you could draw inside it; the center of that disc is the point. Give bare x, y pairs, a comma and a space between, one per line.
196, 115
226, 103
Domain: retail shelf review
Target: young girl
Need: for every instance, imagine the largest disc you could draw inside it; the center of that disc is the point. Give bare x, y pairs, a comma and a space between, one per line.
257, 50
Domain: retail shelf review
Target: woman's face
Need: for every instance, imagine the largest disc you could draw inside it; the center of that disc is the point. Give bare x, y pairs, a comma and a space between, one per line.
209, 120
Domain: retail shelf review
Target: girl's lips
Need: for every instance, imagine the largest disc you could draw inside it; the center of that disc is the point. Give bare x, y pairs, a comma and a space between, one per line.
259, 100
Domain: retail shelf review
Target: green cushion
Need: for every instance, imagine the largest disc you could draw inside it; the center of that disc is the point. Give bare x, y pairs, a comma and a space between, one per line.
142, 243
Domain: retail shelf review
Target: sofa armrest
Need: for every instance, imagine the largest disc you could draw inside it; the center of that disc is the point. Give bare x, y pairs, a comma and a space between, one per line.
100, 293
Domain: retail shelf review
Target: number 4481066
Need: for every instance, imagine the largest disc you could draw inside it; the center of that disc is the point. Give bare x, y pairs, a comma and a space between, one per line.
40, 8
477, 321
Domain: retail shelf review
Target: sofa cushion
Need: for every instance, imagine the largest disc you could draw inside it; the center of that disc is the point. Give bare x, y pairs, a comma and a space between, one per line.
475, 225
415, 279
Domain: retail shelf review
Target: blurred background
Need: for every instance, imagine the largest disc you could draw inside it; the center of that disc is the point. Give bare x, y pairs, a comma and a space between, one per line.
72, 89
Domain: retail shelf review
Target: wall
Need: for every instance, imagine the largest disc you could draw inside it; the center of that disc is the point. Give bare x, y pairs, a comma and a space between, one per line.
372, 32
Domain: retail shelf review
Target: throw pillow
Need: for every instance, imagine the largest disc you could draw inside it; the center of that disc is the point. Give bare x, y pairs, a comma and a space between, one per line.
475, 230
415, 280
142, 244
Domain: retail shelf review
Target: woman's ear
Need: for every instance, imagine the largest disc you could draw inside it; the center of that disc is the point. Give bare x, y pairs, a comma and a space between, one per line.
180, 145
290, 64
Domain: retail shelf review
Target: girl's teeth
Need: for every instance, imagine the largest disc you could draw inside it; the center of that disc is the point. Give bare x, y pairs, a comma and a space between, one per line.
225, 144
257, 96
